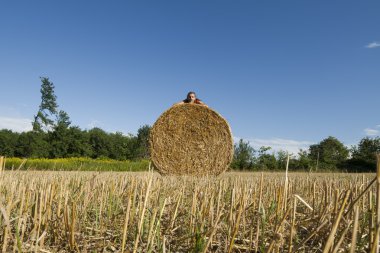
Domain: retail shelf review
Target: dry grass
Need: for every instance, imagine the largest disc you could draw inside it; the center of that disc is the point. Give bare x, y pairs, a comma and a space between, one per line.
191, 139
144, 212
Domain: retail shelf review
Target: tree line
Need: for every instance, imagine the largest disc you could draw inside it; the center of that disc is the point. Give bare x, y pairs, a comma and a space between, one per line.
328, 155
64, 142
75, 142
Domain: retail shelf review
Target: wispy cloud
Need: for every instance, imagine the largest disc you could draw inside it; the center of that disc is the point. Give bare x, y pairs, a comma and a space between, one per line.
277, 144
371, 132
373, 45
16, 124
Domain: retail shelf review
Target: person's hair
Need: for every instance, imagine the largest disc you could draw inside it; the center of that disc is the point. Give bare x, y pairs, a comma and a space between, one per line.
188, 99
188, 95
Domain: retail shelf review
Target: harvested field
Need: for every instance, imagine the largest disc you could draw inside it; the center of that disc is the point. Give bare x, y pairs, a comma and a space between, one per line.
144, 212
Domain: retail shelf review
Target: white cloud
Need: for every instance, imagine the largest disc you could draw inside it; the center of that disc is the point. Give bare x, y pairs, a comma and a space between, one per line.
16, 124
373, 45
277, 144
371, 132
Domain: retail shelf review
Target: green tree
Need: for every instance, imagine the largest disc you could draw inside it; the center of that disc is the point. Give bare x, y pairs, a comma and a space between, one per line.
48, 107
59, 137
143, 142
243, 156
99, 142
78, 144
282, 158
63, 120
364, 155
32, 145
304, 162
133, 151
266, 161
8, 140
330, 153
120, 146
48, 115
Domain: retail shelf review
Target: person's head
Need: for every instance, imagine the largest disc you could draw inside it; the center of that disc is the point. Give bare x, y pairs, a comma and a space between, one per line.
191, 96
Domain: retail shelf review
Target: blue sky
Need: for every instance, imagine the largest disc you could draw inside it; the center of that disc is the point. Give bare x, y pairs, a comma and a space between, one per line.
283, 73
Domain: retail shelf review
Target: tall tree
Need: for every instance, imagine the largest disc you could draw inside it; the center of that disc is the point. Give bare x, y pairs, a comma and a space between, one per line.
47, 111
48, 115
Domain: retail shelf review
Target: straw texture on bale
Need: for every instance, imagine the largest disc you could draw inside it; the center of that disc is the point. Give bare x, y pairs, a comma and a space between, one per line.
191, 139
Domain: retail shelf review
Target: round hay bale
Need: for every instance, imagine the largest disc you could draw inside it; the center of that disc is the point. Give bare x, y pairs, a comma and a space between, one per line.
191, 139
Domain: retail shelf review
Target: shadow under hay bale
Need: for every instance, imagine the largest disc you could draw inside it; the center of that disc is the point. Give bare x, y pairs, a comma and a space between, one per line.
190, 139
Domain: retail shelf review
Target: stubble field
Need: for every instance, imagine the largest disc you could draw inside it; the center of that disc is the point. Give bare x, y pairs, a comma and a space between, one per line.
44, 211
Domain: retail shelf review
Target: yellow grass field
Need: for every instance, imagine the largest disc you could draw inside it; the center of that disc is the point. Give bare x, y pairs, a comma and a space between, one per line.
43, 211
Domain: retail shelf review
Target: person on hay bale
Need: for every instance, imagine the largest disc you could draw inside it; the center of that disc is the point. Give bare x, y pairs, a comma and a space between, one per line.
191, 98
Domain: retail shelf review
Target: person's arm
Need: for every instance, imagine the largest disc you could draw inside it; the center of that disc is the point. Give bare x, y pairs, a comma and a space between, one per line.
201, 103
179, 103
